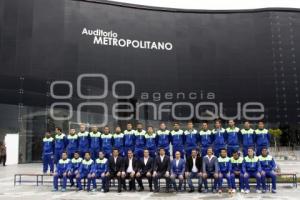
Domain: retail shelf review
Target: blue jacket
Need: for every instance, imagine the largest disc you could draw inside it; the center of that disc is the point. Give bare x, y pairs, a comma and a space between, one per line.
75, 164
163, 138
95, 140
140, 139
118, 140
151, 141
191, 138
251, 164
106, 141
267, 163
233, 136
48, 146
224, 165
218, 137
177, 138
262, 137
86, 166
236, 165
180, 169
83, 140
248, 137
63, 166
100, 166
60, 141
129, 138
205, 138
72, 142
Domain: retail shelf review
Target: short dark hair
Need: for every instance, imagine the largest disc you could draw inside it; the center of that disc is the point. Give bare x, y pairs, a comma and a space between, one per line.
58, 128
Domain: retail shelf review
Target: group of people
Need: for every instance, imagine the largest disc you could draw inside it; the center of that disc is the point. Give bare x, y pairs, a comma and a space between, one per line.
138, 154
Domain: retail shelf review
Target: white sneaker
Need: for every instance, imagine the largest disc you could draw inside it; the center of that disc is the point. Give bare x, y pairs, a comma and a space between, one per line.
93, 190
102, 190
247, 191
233, 191
258, 191
242, 191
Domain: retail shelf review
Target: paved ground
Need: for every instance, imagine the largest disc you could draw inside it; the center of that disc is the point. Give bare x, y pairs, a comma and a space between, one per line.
29, 191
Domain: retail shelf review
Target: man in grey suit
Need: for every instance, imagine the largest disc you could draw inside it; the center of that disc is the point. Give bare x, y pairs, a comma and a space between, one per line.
210, 169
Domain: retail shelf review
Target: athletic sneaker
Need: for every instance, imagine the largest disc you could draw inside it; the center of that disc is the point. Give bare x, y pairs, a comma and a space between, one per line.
263, 191
258, 191
54, 190
274, 191
247, 191
233, 191
63, 189
93, 190
242, 191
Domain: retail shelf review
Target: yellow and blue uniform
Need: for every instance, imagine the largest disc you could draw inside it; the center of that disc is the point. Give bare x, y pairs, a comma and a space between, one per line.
139, 143
205, 138
118, 142
252, 168
83, 142
74, 169
268, 167
60, 145
262, 140
129, 139
224, 171
100, 168
191, 139
62, 168
48, 149
218, 136
72, 145
177, 140
95, 138
248, 139
233, 139
107, 144
163, 140
151, 141
237, 172
84, 169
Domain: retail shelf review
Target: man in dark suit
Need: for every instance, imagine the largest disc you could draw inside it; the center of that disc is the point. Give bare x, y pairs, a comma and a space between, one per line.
145, 170
161, 169
193, 169
130, 168
115, 169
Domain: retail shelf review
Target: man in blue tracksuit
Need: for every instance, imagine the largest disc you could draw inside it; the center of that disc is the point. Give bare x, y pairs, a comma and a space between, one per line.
233, 137
262, 138
129, 138
248, 137
118, 140
74, 167
99, 171
251, 168
177, 140
139, 141
72, 143
225, 169
237, 171
163, 138
60, 144
85, 171
191, 137
61, 172
95, 137
106, 142
151, 141
268, 167
218, 134
205, 136
177, 171
83, 140
48, 149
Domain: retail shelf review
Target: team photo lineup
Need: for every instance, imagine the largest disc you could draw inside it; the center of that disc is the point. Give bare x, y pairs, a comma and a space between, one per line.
176, 155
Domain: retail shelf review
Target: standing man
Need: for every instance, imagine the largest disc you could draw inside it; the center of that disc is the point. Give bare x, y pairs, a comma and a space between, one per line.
129, 138
193, 169
115, 169
225, 169
262, 138
268, 167
145, 170
151, 141
83, 140
177, 140
95, 138
72, 143
106, 142
99, 171
161, 169
130, 169
237, 171
191, 138
177, 171
163, 138
218, 134
205, 138
139, 141
60, 144
118, 140
62, 167
251, 168
48, 149
248, 137
233, 135
210, 169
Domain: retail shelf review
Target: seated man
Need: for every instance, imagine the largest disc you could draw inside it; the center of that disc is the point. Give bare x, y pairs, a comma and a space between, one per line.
210, 169
268, 167
161, 169
225, 169
62, 168
251, 168
115, 168
145, 169
193, 169
85, 171
74, 169
99, 170
237, 171
130, 168
177, 170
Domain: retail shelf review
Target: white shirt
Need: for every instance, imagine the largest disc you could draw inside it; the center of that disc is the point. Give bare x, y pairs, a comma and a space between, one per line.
115, 158
177, 163
162, 158
146, 160
129, 168
194, 169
